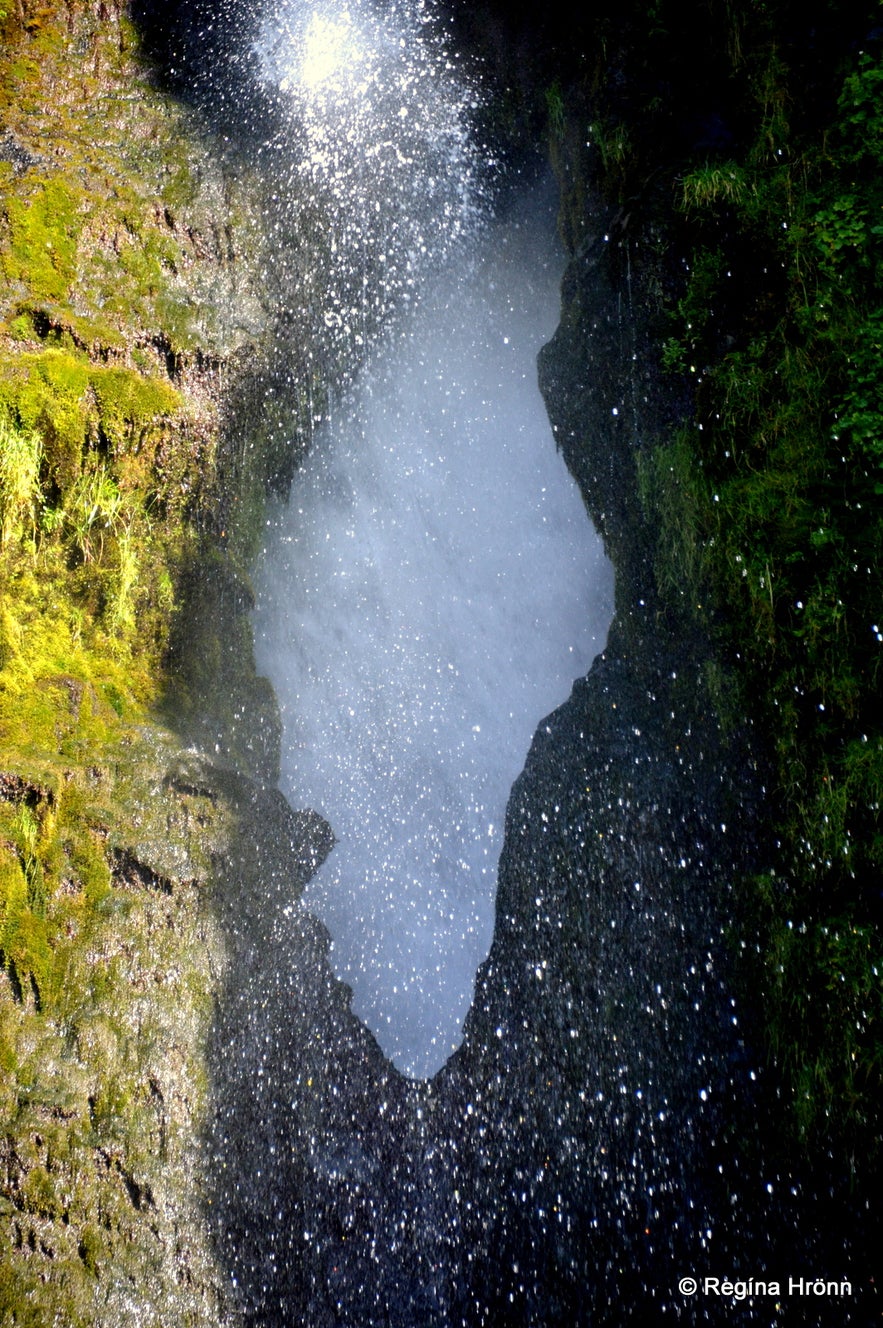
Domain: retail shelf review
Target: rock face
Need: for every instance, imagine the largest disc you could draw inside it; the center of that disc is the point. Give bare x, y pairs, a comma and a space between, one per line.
105, 1083
602, 1043
129, 313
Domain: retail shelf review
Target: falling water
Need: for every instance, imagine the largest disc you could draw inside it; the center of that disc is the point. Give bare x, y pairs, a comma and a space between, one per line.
384, 174
433, 587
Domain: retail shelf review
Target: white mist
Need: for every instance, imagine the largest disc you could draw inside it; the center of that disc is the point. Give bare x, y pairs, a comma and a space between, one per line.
427, 596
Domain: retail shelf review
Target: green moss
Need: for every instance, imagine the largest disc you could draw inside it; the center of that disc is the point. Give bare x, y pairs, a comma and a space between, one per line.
46, 393
21, 327
674, 493
68, 400
105, 993
764, 510
92, 1248
179, 188
20, 458
39, 1193
129, 403
44, 228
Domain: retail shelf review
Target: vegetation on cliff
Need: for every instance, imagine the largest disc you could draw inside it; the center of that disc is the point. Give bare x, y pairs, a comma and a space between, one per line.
125, 258
740, 147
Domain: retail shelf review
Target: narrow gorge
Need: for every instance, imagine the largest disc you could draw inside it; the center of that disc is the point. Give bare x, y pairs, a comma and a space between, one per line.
439, 861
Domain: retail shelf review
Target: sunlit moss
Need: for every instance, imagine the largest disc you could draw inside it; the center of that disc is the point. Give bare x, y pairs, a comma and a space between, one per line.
20, 457
44, 229
108, 470
129, 403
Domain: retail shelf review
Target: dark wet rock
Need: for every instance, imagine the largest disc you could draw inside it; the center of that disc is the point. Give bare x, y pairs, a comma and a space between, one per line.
600, 1046
573, 1130
17, 154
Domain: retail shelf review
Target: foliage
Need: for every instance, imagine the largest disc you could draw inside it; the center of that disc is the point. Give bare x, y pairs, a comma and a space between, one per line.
792, 446
555, 110
759, 202
673, 487
712, 184
20, 457
612, 142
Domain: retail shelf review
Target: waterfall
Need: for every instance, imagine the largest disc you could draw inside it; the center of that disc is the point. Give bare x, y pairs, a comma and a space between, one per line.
433, 586
382, 168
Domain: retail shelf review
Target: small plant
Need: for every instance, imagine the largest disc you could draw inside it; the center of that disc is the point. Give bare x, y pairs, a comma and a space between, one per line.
21, 452
710, 186
673, 487
123, 607
93, 508
612, 141
555, 110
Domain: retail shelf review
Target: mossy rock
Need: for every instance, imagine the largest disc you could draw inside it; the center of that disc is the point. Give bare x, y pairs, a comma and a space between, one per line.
44, 230
129, 402
130, 285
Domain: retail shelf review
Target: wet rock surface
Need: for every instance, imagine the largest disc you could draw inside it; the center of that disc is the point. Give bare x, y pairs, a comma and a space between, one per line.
573, 1133
131, 316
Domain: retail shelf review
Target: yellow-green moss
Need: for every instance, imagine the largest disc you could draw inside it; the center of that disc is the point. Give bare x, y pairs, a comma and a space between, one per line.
129, 403
106, 251
44, 227
47, 392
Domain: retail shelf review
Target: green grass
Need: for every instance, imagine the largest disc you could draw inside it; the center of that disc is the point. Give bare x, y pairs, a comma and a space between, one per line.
21, 452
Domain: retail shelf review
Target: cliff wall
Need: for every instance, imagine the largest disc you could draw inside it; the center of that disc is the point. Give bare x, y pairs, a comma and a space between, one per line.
134, 337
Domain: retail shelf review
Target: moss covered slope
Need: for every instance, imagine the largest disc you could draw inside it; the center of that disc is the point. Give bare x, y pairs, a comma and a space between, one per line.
126, 303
